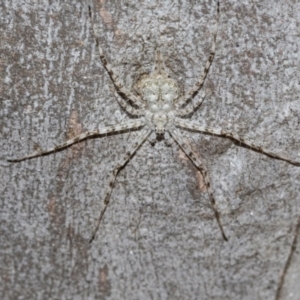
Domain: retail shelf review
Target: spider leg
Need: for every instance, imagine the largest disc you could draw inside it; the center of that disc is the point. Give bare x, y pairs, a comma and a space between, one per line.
191, 107
183, 99
129, 153
202, 168
114, 77
109, 129
185, 124
128, 108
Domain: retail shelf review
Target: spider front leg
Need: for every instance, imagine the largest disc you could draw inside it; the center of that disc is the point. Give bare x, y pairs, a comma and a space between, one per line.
129, 153
182, 112
129, 109
220, 132
200, 166
109, 129
115, 78
182, 100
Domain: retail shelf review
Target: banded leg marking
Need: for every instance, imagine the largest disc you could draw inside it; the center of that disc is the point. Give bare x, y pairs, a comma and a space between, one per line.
182, 100
115, 78
201, 167
109, 129
124, 104
129, 153
220, 132
191, 107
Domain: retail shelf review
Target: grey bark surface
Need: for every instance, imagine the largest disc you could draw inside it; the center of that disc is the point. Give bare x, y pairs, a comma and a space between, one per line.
159, 238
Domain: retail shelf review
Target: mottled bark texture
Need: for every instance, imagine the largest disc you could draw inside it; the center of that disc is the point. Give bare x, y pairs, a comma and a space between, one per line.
159, 238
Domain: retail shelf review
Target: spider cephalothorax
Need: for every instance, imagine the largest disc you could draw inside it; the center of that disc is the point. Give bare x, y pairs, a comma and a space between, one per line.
158, 109
159, 92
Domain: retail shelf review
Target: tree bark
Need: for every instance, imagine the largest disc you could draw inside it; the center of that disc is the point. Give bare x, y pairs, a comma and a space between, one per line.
159, 238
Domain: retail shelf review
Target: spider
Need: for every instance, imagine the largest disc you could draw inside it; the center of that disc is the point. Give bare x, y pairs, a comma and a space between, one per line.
159, 113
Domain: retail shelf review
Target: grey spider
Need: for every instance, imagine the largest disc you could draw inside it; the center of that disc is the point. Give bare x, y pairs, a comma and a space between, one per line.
159, 110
